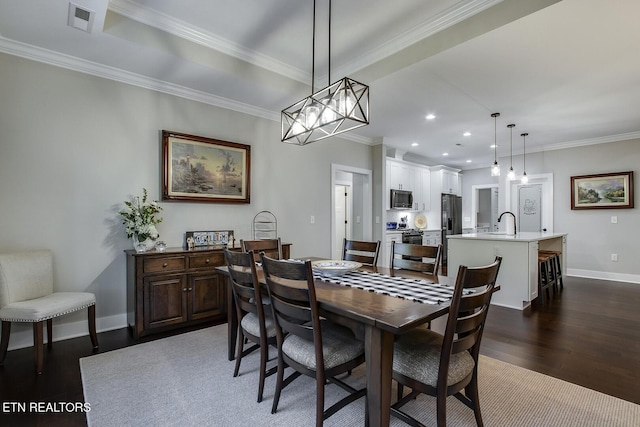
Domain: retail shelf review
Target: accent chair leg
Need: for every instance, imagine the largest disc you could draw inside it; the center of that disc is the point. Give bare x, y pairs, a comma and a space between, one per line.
4, 345
49, 332
92, 326
38, 346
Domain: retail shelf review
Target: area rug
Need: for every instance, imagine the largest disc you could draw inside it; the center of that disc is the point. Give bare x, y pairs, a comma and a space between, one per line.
186, 380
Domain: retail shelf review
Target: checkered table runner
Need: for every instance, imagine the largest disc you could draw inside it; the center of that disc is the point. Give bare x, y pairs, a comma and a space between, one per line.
422, 291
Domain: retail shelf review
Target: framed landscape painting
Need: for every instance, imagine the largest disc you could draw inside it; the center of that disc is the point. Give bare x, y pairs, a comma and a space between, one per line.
204, 170
602, 191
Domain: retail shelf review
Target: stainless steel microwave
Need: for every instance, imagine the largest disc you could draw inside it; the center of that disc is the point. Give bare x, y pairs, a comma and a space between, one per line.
401, 199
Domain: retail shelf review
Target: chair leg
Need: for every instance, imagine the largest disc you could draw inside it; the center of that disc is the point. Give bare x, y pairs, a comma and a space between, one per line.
241, 341
279, 381
49, 333
38, 346
92, 326
264, 355
319, 401
471, 391
441, 409
4, 345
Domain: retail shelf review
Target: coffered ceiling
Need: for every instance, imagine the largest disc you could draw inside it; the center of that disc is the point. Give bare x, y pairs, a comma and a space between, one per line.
565, 71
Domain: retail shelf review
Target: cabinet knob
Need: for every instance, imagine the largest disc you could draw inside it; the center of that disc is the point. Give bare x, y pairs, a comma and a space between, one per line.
184, 289
189, 289
165, 265
207, 261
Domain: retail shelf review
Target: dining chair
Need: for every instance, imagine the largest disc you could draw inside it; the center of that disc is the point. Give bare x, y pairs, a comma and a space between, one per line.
271, 247
26, 295
360, 251
421, 258
444, 365
312, 346
255, 320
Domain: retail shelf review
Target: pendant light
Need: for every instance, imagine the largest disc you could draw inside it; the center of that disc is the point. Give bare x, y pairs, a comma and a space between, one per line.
512, 174
525, 178
340, 107
495, 169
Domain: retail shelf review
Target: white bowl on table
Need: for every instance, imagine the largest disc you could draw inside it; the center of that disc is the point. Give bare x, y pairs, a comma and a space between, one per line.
331, 267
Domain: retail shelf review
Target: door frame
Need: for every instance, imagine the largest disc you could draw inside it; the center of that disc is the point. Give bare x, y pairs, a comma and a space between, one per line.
546, 179
474, 201
367, 200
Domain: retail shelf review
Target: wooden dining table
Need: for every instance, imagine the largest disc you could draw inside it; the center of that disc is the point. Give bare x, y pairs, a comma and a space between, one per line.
375, 317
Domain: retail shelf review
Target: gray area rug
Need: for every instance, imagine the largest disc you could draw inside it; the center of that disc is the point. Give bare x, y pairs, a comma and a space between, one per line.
186, 380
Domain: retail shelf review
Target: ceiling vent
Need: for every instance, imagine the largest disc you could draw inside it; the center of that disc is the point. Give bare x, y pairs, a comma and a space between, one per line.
80, 18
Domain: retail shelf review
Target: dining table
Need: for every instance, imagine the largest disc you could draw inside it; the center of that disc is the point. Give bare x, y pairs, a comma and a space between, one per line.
376, 317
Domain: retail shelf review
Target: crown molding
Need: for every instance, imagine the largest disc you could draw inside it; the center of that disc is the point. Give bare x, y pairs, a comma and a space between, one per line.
169, 24
33, 53
592, 141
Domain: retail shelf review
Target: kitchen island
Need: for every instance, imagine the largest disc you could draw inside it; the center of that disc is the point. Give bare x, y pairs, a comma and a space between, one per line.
518, 276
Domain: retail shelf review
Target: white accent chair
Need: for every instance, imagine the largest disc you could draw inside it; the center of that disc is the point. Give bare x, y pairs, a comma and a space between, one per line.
26, 295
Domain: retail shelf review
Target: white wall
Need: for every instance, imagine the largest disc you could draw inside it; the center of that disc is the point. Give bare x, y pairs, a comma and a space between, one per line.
73, 147
592, 238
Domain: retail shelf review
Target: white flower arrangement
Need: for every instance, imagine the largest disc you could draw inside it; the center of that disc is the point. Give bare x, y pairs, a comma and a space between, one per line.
140, 219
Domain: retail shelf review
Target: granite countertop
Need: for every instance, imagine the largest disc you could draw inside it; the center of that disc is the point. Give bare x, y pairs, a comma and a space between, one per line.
519, 237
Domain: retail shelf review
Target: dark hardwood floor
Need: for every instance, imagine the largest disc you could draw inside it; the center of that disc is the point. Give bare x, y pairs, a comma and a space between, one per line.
589, 335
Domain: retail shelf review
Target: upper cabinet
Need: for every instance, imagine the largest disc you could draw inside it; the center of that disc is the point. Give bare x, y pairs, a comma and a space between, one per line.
400, 176
446, 179
410, 177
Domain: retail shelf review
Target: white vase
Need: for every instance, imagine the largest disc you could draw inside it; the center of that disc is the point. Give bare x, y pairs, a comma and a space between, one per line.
143, 246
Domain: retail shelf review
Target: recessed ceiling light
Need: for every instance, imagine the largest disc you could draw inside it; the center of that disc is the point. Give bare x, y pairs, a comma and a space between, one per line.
467, 134
468, 161
414, 144
493, 146
430, 117
445, 154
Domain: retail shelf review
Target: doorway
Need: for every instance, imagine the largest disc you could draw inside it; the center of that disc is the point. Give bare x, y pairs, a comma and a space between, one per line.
530, 208
543, 182
351, 215
484, 206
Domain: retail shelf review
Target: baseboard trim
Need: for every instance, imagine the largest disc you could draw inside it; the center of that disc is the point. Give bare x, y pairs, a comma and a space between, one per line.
604, 275
22, 333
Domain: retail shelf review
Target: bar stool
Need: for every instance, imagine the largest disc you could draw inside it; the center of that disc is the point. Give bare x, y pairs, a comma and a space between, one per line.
546, 276
557, 269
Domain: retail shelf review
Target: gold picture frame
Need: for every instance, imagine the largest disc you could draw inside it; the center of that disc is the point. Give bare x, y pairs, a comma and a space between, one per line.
200, 169
602, 191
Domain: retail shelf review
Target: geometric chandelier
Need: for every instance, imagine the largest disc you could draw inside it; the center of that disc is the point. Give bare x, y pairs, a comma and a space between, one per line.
340, 107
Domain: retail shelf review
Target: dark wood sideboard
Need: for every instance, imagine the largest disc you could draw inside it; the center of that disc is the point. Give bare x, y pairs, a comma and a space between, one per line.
176, 288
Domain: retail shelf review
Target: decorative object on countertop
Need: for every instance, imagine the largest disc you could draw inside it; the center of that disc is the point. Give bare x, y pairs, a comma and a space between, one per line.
202, 169
420, 221
265, 226
602, 191
392, 225
161, 246
221, 238
140, 221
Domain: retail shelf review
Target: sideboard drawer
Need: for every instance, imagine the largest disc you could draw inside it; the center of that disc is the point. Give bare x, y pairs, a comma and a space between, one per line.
164, 264
206, 260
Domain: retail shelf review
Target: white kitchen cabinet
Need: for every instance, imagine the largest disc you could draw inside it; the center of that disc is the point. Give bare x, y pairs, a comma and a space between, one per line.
422, 189
446, 180
400, 176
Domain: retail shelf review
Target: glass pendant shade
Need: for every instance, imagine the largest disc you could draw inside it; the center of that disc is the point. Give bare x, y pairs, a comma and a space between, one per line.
512, 174
495, 169
525, 178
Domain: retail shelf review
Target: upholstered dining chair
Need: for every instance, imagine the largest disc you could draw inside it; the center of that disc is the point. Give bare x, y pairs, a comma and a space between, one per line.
421, 258
360, 251
444, 365
26, 295
313, 347
271, 247
255, 320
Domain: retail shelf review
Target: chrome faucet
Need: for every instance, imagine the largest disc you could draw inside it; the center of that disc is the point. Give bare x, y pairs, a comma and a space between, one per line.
515, 230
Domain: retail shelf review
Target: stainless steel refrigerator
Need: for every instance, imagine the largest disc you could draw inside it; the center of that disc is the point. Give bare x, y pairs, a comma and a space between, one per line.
451, 221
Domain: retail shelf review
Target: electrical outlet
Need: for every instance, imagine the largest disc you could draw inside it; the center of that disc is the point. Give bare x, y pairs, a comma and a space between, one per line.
614, 257
312, 219
614, 219
377, 220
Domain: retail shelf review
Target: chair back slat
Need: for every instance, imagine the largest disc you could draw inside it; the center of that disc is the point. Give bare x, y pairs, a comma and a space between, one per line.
247, 292
421, 258
361, 251
271, 247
